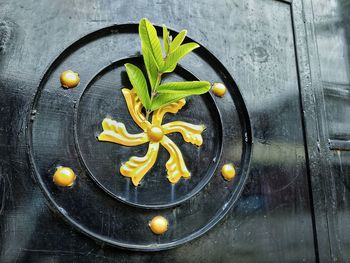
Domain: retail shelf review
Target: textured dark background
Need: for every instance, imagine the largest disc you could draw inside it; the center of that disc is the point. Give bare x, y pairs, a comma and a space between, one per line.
291, 63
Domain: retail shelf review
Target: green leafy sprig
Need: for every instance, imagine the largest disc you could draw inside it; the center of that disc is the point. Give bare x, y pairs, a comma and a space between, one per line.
158, 62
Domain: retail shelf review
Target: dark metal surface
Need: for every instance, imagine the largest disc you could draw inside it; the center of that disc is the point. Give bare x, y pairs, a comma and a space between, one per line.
67, 118
268, 46
332, 37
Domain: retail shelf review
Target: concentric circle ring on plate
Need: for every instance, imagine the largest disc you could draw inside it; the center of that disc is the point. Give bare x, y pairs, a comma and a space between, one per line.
86, 206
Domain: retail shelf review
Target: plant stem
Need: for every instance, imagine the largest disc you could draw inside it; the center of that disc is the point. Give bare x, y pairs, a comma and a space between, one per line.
156, 85
154, 92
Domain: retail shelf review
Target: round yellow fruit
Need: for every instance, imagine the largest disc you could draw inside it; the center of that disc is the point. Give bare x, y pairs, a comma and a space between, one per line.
69, 79
228, 172
219, 89
159, 225
64, 176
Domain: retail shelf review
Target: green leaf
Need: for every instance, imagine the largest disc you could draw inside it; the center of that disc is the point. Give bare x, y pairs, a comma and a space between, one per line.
139, 83
189, 87
151, 66
150, 40
166, 39
177, 41
178, 54
164, 99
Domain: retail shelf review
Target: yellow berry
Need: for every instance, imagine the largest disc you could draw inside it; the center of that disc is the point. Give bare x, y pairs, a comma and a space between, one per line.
158, 225
69, 79
219, 89
228, 172
64, 176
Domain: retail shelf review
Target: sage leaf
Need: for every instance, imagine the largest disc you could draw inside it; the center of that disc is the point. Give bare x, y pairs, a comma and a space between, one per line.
150, 40
151, 66
177, 55
139, 83
164, 99
166, 39
177, 41
188, 87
